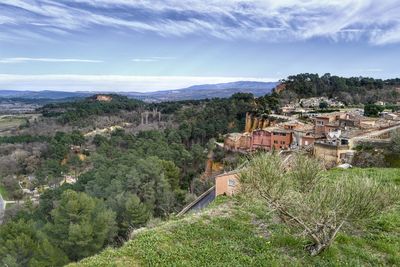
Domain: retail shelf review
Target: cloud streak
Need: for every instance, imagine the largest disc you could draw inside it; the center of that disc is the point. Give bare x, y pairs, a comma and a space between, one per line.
111, 82
15, 60
151, 59
376, 22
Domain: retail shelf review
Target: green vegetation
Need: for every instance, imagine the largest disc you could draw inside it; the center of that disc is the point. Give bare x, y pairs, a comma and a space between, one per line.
390, 176
3, 192
308, 202
235, 232
22, 139
140, 176
75, 111
351, 91
126, 180
199, 121
80, 225
22, 245
372, 110
7, 122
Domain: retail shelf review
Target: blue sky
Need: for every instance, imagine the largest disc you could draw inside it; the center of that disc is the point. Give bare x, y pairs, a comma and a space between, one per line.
145, 45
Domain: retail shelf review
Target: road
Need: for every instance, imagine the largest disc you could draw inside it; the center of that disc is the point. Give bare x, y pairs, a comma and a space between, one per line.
2, 208
371, 135
201, 202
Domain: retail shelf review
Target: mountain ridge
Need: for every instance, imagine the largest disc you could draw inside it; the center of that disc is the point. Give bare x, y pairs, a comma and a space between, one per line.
196, 92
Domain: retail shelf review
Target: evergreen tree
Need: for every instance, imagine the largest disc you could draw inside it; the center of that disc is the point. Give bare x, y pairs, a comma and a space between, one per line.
136, 214
80, 225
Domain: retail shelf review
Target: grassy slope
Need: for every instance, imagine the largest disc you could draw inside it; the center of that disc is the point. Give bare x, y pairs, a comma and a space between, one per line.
234, 233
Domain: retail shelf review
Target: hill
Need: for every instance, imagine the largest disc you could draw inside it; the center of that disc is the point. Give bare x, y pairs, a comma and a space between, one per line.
46, 94
204, 91
353, 90
222, 90
232, 232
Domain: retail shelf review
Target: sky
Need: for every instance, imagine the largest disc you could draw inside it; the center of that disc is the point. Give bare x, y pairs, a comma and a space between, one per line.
148, 45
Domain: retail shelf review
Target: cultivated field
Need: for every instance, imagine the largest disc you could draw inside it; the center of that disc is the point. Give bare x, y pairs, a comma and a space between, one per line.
10, 122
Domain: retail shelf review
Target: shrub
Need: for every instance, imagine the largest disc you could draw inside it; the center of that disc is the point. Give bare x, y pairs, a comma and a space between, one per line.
306, 200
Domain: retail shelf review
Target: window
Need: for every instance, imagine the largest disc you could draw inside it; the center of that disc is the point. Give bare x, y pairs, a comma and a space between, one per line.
275, 141
283, 142
231, 182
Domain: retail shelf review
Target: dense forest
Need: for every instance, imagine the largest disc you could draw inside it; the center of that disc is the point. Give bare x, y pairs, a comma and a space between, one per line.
354, 90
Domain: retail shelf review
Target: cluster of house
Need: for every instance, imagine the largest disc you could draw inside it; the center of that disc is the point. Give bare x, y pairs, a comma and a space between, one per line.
270, 134
330, 136
307, 104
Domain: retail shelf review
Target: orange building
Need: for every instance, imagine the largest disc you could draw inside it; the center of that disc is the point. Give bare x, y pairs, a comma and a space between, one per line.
309, 139
271, 138
227, 183
261, 139
321, 122
281, 139
331, 127
326, 121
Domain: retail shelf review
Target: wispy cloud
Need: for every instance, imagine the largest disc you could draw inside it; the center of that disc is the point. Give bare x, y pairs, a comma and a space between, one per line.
14, 60
111, 82
376, 22
144, 60
151, 59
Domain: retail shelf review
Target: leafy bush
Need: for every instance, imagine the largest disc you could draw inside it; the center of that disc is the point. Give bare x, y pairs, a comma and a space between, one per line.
372, 110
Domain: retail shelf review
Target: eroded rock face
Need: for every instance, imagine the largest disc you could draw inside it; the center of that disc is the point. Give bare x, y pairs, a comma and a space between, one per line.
103, 98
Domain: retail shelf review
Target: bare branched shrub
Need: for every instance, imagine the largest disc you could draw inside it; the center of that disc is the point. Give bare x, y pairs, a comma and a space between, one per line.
308, 201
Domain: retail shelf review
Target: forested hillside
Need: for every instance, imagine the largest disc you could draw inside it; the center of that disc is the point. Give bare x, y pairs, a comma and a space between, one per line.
355, 90
124, 178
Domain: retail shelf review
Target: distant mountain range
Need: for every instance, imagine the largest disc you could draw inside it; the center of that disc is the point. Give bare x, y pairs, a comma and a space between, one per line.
46, 94
195, 92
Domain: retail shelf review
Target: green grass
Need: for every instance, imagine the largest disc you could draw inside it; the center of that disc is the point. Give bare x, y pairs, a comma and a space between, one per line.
3, 192
232, 232
386, 175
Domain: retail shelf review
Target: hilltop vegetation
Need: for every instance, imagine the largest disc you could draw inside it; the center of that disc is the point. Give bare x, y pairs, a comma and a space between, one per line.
354, 90
78, 110
234, 232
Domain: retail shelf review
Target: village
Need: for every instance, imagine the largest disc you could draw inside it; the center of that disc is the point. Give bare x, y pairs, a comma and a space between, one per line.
332, 137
